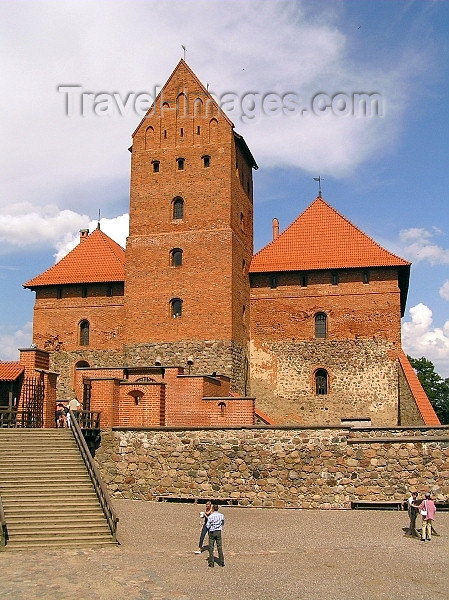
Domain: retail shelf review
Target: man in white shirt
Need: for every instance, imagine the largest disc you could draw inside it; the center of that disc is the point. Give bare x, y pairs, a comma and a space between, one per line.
214, 526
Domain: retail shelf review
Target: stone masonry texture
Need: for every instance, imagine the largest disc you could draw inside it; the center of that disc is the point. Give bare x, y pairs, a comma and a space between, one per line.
277, 467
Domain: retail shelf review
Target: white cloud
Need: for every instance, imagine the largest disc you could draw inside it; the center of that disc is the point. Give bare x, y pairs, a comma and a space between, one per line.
444, 290
420, 338
23, 224
418, 246
122, 47
117, 229
10, 342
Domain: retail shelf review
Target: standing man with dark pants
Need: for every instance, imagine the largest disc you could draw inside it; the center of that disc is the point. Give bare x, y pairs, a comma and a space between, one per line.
214, 525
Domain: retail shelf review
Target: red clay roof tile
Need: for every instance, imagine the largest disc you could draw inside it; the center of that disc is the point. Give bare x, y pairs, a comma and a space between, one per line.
96, 259
422, 401
10, 371
321, 238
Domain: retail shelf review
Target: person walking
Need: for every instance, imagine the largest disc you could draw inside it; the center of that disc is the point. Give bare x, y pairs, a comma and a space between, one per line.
204, 515
214, 526
427, 509
412, 506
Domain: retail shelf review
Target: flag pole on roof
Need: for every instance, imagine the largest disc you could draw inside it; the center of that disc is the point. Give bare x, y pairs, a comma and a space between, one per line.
319, 179
98, 222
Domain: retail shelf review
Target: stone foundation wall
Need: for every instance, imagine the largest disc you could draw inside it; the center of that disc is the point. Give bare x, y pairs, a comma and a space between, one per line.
280, 467
221, 356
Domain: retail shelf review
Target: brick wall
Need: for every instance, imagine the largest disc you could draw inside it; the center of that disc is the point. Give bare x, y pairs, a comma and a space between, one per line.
281, 467
359, 351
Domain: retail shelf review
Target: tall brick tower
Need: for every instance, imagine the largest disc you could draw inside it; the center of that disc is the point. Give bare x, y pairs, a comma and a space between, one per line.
191, 235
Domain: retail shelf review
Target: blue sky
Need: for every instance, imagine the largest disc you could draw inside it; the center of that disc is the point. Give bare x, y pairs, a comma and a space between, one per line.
388, 173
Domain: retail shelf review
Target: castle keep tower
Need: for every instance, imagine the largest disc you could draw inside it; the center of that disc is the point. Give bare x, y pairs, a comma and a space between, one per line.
191, 235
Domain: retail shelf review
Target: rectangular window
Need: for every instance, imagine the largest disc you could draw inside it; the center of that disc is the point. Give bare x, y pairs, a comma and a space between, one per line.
109, 290
84, 292
365, 276
59, 293
335, 279
304, 280
273, 281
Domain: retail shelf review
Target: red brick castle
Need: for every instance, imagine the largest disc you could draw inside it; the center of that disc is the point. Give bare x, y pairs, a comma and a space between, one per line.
187, 327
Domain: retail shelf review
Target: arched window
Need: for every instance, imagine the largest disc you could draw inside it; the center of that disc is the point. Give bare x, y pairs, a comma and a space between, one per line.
176, 257
181, 163
206, 161
178, 208
320, 325
176, 308
321, 382
84, 333
156, 166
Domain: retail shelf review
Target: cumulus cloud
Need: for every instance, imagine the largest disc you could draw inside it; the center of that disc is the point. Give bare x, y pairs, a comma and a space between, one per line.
418, 246
116, 228
11, 341
444, 290
421, 338
311, 56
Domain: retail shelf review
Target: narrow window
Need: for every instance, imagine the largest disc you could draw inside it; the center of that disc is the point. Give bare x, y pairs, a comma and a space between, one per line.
156, 166
84, 291
242, 221
335, 278
176, 308
180, 162
321, 382
176, 257
165, 134
320, 325
273, 281
206, 161
109, 290
304, 280
365, 276
84, 333
182, 132
198, 130
59, 293
178, 208
222, 406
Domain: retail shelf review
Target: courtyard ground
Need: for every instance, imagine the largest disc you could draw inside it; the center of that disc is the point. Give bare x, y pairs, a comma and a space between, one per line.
270, 554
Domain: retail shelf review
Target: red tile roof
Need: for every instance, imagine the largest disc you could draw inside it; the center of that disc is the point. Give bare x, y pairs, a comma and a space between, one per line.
422, 401
96, 259
10, 371
321, 238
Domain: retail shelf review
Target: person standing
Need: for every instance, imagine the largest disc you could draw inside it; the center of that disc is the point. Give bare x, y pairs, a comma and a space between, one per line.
214, 526
427, 509
73, 405
204, 515
412, 505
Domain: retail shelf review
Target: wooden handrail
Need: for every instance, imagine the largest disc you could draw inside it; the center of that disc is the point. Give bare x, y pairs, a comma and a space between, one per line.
100, 488
3, 528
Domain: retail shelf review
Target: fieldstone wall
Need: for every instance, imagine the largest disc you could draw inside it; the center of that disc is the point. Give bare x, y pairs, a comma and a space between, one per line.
280, 467
224, 357
362, 381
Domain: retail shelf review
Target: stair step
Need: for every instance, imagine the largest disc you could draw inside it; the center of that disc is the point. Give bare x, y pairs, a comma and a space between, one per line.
60, 544
44, 512
81, 538
62, 529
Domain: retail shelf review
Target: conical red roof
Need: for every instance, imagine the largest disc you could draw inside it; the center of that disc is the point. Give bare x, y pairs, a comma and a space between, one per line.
96, 259
321, 238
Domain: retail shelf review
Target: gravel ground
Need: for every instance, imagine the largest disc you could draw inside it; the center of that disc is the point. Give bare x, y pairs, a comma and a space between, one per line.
270, 554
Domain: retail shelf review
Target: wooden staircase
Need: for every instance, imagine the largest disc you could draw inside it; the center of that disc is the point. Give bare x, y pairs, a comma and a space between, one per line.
48, 497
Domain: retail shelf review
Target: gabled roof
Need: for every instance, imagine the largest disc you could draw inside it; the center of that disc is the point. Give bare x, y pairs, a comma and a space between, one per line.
10, 371
321, 238
96, 259
182, 74
428, 414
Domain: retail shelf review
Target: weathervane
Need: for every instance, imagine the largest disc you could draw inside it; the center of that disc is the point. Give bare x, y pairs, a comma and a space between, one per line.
319, 179
98, 223
184, 48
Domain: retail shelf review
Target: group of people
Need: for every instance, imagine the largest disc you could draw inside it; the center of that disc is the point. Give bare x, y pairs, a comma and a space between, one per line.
213, 522
62, 414
427, 509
